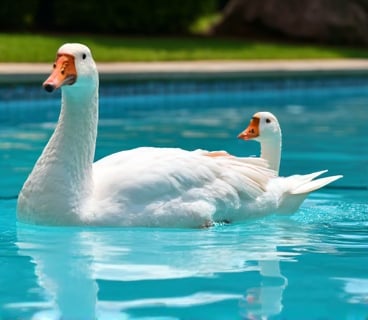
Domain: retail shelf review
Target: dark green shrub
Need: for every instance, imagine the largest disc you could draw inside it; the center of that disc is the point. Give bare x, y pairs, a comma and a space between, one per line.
110, 16
17, 15
144, 16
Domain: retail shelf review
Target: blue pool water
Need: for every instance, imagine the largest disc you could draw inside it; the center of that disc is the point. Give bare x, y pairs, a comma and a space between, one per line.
311, 265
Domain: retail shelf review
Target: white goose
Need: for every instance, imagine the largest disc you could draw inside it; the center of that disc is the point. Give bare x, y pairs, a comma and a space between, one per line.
264, 128
140, 187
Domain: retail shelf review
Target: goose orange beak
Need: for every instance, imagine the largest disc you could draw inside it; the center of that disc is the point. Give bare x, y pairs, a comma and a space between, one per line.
64, 73
252, 131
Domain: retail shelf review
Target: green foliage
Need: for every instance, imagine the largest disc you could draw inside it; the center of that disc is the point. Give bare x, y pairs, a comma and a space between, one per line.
203, 24
17, 15
109, 16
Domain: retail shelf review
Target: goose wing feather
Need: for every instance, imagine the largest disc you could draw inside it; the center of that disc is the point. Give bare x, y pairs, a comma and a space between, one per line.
174, 187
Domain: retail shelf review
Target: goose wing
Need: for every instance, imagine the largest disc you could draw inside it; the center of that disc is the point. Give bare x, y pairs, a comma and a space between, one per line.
174, 187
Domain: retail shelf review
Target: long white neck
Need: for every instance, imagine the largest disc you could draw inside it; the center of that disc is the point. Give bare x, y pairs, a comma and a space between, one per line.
74, 139
62, 176
271, 151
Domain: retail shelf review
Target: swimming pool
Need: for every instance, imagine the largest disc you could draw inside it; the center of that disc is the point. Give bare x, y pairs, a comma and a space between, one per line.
312, 265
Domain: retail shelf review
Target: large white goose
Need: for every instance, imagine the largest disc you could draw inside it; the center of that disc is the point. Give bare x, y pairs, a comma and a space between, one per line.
264, 128
165, 187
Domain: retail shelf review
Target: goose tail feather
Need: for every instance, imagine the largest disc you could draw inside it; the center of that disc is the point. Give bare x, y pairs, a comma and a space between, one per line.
300, 186
315, 185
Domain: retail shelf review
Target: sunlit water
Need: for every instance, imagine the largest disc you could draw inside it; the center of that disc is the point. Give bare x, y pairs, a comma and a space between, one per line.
311, 265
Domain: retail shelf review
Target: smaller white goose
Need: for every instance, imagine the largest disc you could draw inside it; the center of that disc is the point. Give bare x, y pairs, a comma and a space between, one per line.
291, 191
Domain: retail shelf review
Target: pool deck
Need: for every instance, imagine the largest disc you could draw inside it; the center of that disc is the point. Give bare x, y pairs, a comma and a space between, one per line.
37, 72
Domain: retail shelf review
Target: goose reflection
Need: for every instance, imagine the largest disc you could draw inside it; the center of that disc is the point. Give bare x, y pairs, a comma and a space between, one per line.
91, 273
62, 262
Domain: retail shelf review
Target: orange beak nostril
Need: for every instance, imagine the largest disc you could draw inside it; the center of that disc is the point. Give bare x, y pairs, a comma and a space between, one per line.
252, 131
64, 73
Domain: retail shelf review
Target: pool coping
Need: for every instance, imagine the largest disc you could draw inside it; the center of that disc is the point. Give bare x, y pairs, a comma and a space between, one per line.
115, 71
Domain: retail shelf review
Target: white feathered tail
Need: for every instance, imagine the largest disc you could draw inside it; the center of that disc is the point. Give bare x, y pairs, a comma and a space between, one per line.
298, 187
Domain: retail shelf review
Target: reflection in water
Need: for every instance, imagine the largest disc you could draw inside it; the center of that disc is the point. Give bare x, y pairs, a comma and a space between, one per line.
266, 300
71, 265
62, 266
356, 290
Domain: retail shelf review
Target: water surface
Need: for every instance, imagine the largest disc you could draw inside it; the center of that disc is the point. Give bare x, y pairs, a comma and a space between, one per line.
311, 265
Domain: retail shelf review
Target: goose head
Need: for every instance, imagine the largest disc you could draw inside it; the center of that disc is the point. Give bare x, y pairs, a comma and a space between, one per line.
74, 66
265, 129
262, 127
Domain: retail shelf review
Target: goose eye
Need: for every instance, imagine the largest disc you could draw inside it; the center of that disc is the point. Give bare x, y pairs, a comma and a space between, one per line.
84, 56
268, 120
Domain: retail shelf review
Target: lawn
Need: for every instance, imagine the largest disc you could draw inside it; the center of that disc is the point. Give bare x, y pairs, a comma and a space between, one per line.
41, 48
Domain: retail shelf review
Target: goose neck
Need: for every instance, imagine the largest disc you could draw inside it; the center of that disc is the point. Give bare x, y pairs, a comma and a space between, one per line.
271, 152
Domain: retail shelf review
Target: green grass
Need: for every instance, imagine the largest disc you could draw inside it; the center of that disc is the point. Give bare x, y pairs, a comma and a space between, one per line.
42, 48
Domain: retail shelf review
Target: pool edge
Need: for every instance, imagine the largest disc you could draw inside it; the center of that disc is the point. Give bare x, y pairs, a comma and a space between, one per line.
36, 73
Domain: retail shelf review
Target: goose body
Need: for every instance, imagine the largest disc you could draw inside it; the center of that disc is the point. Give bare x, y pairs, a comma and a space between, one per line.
166, 187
